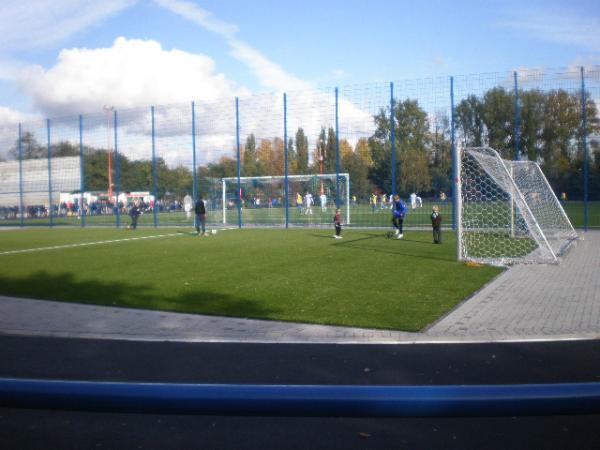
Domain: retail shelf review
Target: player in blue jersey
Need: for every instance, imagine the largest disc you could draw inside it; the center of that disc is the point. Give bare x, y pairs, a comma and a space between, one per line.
398, 213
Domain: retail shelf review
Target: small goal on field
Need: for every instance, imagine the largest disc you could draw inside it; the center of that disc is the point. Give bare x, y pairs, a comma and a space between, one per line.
311, 200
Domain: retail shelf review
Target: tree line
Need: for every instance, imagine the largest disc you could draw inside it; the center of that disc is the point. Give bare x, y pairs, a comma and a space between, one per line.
550, 133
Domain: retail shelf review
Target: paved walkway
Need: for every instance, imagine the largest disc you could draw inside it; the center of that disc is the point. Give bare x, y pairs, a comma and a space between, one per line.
529, 302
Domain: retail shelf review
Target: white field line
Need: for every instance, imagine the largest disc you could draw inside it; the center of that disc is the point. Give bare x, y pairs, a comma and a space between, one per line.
85, 244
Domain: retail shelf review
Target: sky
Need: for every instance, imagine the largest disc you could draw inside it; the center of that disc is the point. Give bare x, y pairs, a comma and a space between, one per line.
66, 57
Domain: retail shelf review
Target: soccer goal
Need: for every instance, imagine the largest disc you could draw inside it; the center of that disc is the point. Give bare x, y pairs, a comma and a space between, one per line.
507, 212
311, 200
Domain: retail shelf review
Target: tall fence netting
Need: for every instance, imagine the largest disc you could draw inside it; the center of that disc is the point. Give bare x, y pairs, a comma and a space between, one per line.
387, 137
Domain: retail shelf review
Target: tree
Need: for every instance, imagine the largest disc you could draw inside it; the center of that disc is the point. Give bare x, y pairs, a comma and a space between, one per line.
301, 152
469, 121
319, 152
266, 155
364, 151
249, 167
499, 115
345, 149
330, 151
292, 157
277, 163
442, 146
415, 171
358, 170
413, 148
64, 148
30, 148
562, 121
533, 104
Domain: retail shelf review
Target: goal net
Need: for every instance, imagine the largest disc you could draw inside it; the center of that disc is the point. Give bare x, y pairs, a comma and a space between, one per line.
508, 213
312, 200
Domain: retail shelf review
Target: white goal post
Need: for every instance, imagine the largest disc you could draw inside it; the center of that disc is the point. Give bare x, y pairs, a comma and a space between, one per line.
272, 187
507, 211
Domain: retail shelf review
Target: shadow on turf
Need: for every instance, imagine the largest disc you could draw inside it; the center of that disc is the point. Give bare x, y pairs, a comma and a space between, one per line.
65, 288
395, 250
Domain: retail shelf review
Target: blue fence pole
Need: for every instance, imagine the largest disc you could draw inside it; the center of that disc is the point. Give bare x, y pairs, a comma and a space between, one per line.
117, 171
237, 140
455, 173
393, 139
585, 152
50, 202
456, 182
337, 150
285, 147
194, 173
81, 173
154, 170
517, 129
21, 202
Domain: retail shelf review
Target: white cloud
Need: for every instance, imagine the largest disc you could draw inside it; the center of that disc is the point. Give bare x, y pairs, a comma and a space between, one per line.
317, 105
12, 117
131, 73
557, 25
269, 74
10, 68
200, 16
41, 23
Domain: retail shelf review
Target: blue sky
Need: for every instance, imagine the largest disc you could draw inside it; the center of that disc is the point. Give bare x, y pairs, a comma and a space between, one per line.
61, 57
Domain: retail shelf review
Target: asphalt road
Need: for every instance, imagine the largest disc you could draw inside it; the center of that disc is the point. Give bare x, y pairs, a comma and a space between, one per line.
423, 364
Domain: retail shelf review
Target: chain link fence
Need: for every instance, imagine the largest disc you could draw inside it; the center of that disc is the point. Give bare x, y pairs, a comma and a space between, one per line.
282, 154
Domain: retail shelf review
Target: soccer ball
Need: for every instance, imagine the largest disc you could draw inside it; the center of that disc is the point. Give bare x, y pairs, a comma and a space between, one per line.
213, 232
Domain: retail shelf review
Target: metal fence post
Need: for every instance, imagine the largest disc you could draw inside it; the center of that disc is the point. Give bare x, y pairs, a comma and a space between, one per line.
585, 152
194, 173
117, 171
21, 202
453, 150
50, 215
393, 139
154, 174
517, 129
337, 150
285, 156
81, 173
237, 140
456, 184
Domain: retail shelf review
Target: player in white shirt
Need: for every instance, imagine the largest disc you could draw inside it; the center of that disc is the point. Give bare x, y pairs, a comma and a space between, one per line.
308, 202
413, 201
188, 205
419, 202
323, 198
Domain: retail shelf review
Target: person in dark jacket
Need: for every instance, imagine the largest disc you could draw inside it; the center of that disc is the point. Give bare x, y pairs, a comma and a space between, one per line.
200, 211
337, 222
134, 213
436, 224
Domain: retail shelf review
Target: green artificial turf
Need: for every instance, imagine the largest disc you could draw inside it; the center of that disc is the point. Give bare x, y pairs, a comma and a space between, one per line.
303, 275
